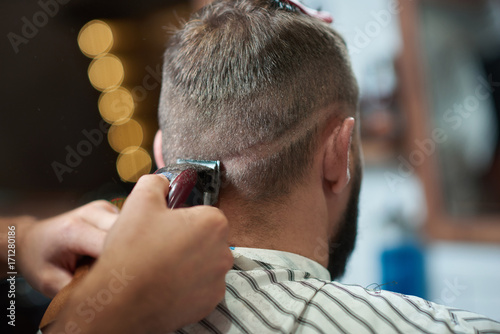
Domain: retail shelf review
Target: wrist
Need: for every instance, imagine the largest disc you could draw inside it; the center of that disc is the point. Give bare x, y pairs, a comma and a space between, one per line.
17, 227
23, 225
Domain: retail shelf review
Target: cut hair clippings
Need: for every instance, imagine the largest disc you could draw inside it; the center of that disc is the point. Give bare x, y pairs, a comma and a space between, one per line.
293, 5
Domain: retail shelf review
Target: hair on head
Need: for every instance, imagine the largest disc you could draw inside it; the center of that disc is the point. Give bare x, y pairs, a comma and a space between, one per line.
251, 85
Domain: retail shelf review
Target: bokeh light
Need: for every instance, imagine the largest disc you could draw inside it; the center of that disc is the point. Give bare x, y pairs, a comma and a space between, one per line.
116, 106
95, 38
133, 163
106, 72
125, 135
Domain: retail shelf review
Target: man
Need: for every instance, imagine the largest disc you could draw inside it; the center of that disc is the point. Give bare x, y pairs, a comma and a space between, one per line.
269, 92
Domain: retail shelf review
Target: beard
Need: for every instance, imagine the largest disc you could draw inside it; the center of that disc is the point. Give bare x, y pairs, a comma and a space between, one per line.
342, 244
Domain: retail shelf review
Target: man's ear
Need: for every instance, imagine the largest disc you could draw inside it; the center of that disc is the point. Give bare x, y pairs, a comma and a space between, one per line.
336, 162
157, 150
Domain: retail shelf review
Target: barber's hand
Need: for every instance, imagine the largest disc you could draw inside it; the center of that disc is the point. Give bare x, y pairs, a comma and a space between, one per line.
48, 250
162, 268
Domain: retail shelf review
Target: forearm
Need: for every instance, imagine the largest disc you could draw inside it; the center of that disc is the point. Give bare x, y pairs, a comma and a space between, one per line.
11, 232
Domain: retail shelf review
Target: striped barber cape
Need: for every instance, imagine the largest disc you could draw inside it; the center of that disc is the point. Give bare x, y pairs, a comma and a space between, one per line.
278, 292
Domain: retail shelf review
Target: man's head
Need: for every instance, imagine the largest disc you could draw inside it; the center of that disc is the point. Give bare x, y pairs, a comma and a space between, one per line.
257, 87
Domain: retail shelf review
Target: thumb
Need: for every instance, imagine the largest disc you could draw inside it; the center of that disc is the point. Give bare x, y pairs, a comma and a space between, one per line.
204, 218
87, 240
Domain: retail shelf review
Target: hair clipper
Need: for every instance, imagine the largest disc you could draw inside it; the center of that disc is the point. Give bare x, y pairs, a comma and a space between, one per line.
192, 182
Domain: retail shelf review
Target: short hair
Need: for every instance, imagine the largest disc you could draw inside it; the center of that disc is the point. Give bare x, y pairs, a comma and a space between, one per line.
248, 84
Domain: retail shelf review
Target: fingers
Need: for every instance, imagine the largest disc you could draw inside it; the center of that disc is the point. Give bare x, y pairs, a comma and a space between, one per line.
150, 191
208, 220
54, 280
100, 214
209, 223
84, 239
203, 214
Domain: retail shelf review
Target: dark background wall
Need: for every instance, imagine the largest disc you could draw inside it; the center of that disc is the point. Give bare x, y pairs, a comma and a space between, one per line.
47, 101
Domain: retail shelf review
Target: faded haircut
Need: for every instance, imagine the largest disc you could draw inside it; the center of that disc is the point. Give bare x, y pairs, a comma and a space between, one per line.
253, 86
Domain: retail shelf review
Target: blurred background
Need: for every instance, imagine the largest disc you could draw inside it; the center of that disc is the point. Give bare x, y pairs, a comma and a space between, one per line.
79, 98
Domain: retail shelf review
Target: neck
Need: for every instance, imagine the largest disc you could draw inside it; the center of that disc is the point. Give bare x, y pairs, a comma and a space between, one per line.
299, 226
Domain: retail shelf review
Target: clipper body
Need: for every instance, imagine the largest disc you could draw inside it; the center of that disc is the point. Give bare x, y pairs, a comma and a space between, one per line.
192, 182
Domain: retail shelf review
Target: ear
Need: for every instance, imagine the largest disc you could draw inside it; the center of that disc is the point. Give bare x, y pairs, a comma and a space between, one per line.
336, 161
157, 150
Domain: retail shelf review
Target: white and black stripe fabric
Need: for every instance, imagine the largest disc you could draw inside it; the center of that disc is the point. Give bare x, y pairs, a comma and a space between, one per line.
278, 292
